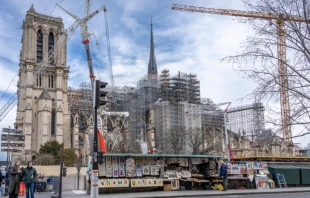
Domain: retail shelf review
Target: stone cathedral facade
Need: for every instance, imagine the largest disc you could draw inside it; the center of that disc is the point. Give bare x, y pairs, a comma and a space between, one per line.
42, 110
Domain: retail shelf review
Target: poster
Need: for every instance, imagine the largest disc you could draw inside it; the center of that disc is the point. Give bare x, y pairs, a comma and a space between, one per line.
108, 160
102, 183
114, 161
154, 170
144, 182
262, 182
102, 169
243, 167
256, 165
139, 173
249, 165
146, 170
235, 169
182, 162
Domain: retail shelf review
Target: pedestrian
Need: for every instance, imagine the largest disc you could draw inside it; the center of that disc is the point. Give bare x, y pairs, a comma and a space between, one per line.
15, 180
7, 179
1, 181
2, 186
89, 172
223, 174
29, 175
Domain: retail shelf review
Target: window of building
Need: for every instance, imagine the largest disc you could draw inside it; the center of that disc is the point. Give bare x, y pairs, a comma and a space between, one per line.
53, 122
39, 80
50, 47
39, 46
50, 79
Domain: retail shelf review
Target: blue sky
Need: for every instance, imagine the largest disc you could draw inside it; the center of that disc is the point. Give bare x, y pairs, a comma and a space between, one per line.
184, 41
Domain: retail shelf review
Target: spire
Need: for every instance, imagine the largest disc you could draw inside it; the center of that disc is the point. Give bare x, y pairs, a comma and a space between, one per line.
152, 67
31, 8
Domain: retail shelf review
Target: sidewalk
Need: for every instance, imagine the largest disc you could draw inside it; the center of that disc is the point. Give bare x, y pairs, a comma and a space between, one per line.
188, 193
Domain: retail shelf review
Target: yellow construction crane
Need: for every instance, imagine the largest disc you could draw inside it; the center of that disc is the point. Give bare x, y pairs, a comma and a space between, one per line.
281, 49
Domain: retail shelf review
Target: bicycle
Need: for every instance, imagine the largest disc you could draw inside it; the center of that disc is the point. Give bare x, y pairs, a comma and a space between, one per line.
40, 186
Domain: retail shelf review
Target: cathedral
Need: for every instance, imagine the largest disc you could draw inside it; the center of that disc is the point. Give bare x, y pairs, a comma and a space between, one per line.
42, 110
136, 119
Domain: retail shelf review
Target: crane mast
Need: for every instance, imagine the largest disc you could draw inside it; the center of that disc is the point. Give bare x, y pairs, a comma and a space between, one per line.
281, 50
85, 34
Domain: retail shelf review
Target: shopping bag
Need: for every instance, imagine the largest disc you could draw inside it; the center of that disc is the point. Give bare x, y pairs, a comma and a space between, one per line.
22, 189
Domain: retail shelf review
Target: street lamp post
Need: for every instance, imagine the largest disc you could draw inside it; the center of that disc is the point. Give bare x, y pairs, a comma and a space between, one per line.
227, 145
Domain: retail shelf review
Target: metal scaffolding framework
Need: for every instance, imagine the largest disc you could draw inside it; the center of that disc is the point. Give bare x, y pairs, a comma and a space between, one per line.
248, 119
180, 87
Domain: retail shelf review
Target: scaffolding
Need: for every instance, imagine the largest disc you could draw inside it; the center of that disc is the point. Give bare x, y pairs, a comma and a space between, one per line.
247, 119
80, 102
180, 87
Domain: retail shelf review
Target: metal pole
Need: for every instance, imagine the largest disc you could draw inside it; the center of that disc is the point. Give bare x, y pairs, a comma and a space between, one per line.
225, 126
78, 184
94, 184
60, 179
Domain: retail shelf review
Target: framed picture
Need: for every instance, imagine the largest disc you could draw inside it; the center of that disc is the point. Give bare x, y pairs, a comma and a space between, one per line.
146, 170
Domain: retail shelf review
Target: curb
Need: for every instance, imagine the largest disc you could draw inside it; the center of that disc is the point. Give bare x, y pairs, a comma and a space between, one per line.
230, 194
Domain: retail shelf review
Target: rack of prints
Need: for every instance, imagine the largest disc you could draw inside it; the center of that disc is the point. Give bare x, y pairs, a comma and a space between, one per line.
113, 183
102, 168
130, 167
146, 182
245, 167
108, 163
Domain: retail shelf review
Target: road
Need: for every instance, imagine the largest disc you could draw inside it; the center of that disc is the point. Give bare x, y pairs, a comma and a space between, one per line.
284, 195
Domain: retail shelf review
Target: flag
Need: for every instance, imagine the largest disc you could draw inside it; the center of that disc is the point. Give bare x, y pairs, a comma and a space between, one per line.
101, 142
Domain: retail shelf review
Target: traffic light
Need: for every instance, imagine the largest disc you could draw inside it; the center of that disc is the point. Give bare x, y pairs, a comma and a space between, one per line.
100, 157
64, 171
100, 94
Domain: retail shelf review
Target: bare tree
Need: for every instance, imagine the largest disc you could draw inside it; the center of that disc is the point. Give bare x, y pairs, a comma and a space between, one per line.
259, 59
195, 138
176, 139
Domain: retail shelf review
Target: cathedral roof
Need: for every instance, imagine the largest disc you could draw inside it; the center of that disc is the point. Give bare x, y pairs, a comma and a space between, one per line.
152, 67
45, 95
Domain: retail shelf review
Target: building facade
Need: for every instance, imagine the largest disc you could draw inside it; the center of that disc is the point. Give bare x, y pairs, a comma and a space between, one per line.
42, 110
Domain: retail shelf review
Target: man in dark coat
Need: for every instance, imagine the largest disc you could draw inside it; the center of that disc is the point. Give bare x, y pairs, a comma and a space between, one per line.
29, 175
223, 174
15, 180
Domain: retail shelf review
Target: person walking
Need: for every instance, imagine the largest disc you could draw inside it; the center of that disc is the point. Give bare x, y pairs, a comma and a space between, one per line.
89, 172
29, 175
15, 180
1, 181
223, 174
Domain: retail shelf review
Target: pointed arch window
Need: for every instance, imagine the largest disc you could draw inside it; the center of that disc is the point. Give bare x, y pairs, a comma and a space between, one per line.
50, 47
51, 77
53, 122
39, 46
39, 80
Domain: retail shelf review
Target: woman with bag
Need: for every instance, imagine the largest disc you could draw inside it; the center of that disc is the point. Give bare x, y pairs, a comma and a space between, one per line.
15, 180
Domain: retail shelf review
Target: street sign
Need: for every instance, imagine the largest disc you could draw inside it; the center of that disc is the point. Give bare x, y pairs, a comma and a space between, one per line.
12, 137
11, 150
7, 130
12, 144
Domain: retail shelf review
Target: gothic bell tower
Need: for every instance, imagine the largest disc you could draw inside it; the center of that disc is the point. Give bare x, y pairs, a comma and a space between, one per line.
42, 111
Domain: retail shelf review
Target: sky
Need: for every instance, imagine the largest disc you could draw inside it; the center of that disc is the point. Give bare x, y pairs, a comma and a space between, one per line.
184, 41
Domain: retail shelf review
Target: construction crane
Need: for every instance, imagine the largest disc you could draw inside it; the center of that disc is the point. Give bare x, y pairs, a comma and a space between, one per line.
84, 33
50, 57
281, 49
